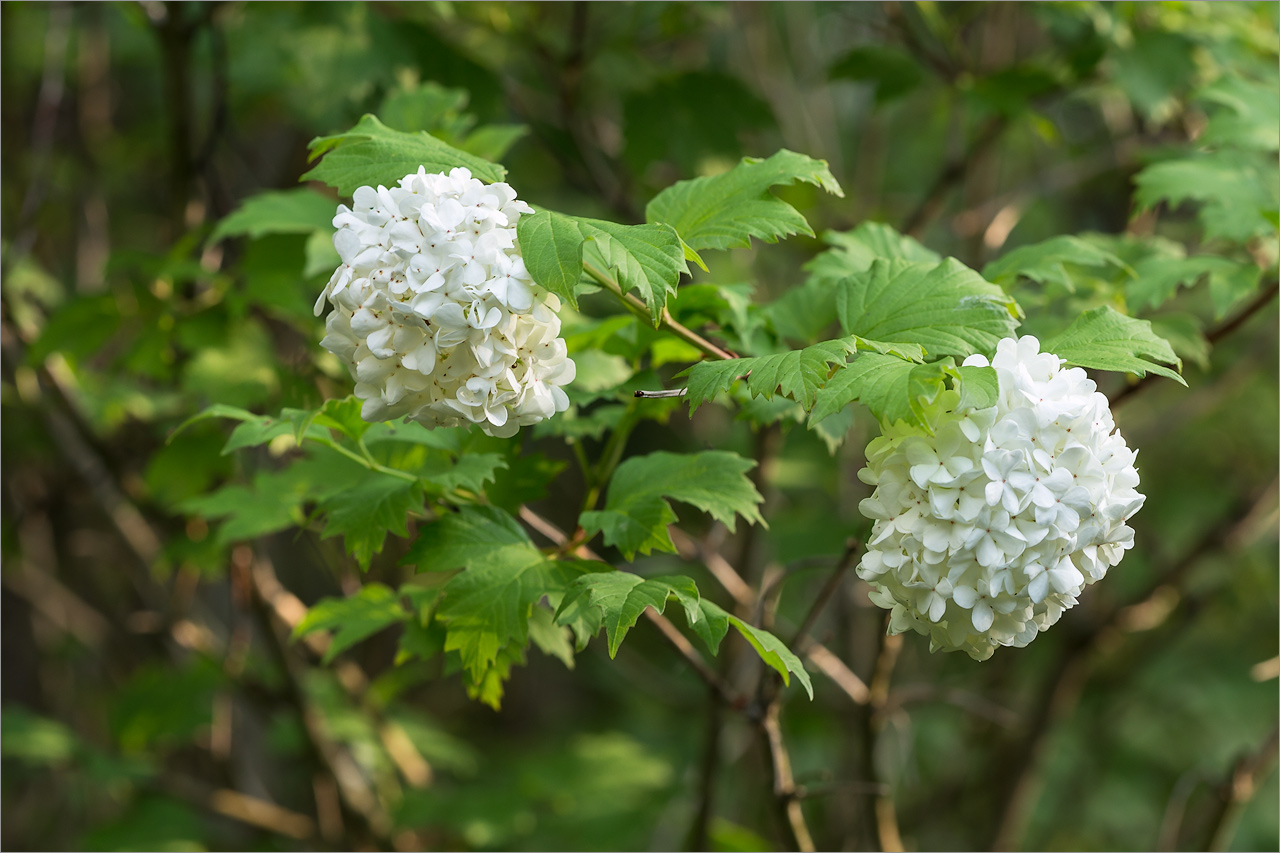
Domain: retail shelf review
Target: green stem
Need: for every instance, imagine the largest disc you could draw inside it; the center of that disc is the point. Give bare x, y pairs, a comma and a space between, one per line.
580, 455
610, 456
366, 460
666, 322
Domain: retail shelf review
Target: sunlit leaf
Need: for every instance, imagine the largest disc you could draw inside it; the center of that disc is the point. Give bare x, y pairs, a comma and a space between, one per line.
727, 210
1105, 339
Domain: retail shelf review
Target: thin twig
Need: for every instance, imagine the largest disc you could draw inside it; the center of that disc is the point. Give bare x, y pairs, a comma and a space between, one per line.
827, 662
1238, 789
828, 589
665, 322
1212, 336
695, 660
660, 395
244, 808
353, 788
951, 176
708, 770
882, 812
1016, 768
784, 787
664, 625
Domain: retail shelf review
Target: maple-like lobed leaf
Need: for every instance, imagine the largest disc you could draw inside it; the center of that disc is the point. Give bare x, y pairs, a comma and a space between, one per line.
946, 308
1105, 339
352, 619
725, 211
486, 606
645, 259
296, 211
372, 154
637, 512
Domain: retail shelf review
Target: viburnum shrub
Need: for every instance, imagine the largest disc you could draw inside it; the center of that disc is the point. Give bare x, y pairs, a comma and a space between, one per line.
1002, 488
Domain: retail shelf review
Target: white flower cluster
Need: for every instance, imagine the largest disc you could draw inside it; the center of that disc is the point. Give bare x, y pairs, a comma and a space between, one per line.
435, 314
988, 529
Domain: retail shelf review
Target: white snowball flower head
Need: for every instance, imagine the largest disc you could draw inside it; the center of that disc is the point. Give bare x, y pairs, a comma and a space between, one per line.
435, 314
988, 529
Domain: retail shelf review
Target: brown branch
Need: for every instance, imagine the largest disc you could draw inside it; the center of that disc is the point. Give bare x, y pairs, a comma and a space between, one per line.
826, 661
708, 768
952, 175
244, 808
664, 625
1016, 768
881, 812
828, 589
290, 611
1238, 789
765, 715
1212, 336
695, 660
354, 790
1259, 302
48, 105
784, 786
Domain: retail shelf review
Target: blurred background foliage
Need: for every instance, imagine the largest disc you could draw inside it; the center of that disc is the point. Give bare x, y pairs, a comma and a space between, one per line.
151, 698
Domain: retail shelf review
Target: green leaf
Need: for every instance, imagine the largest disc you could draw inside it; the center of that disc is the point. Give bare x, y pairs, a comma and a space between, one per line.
644, 258
1053, 261
1237, 191
947, 308
637, 513
621, 597
1249, 114
35, 739
979, 387
254, 430
470, 471
893, 72
343, 414
1154, 70
1158, 279
427, 106
486, 607
711, 626
298, 211
493, 141
352, 619
854, 251
372, 154
797, 374
364, 513
1105, 339
551, 245
894, 390
552, 639
772, 651
273, 503
727, 210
